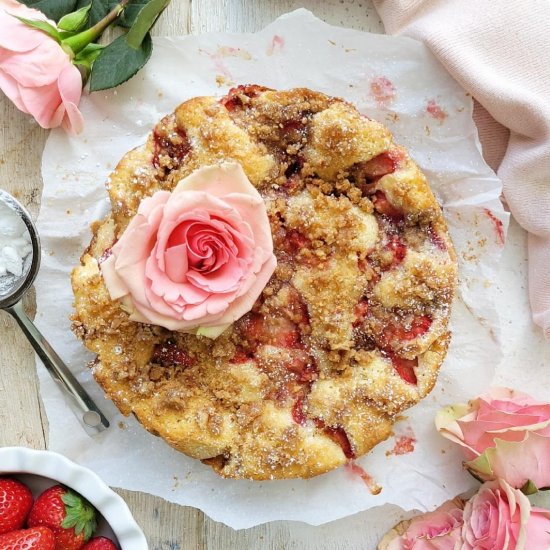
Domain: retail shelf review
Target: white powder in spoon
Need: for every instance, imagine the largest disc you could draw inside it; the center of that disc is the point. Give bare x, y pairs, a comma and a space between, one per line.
15, 244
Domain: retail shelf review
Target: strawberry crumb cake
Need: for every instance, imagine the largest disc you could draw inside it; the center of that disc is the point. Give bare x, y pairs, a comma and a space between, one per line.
272, 286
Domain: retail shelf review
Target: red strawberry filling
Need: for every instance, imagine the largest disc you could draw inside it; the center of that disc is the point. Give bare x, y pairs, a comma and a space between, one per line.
233, 100
296, 241
169, 354
177, 150
303, 366
293, 168
240, 357
398, 332
384, 207
278, 332
436, 239
338, 435
361, 310
379, 166
399, 251
405, 367
298, 414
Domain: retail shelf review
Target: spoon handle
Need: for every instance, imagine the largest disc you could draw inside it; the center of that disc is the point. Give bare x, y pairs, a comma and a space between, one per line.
91, 417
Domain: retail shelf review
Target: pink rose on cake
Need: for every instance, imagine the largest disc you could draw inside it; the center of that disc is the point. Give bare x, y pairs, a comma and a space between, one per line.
504, 434
196, 259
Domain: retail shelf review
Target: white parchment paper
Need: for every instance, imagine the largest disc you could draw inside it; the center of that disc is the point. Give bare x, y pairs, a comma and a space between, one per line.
428, 113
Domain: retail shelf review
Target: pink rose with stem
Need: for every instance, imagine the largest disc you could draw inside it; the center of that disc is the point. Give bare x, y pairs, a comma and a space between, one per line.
196, 259
504, 434
43, 66
36, 73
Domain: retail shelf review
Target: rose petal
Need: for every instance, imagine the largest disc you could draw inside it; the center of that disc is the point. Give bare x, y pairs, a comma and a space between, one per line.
37, 67
219, 181
16, 36
70, 89
175, 261
9, 86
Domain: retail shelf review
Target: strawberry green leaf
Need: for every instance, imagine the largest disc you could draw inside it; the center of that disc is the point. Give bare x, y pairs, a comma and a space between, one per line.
76, 20
43, 26
53, 9
144, 21
119, 62
79, 514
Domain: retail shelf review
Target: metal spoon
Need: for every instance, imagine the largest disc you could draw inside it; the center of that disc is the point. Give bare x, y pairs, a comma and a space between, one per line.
88, 413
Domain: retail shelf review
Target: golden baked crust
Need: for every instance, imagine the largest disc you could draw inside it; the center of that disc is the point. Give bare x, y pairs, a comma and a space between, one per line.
352, 327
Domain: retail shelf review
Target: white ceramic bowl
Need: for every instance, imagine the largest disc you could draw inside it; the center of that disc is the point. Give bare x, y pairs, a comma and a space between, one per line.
32, 467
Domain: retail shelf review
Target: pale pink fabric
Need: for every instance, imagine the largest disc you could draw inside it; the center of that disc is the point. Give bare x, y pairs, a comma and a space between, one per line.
499, 51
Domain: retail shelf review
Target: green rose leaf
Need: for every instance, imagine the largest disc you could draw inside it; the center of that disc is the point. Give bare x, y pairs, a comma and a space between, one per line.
53, 9
119, 62
144, 21
131, 11
98, 10
73, 22
43, 26
541, 499
88, 55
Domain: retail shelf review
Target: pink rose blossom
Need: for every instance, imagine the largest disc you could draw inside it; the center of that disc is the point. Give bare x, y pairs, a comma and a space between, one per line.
437, 530
197, 257
504, 434
538, 530
35, 72
496, 518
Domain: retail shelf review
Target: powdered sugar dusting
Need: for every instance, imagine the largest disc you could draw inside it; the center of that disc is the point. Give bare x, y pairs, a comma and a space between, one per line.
15, 246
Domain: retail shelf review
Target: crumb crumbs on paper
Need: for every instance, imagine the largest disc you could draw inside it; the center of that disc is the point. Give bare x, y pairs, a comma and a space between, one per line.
435, 111
221, 80
356, 470
277, 44
176, 482
122, 425
382, 90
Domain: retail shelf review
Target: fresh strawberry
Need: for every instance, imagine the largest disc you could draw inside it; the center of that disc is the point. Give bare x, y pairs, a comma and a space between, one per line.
71, 518
37, 538
99, 543
15, 504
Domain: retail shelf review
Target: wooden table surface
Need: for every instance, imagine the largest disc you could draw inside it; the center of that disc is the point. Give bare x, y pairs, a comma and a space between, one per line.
22, 419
